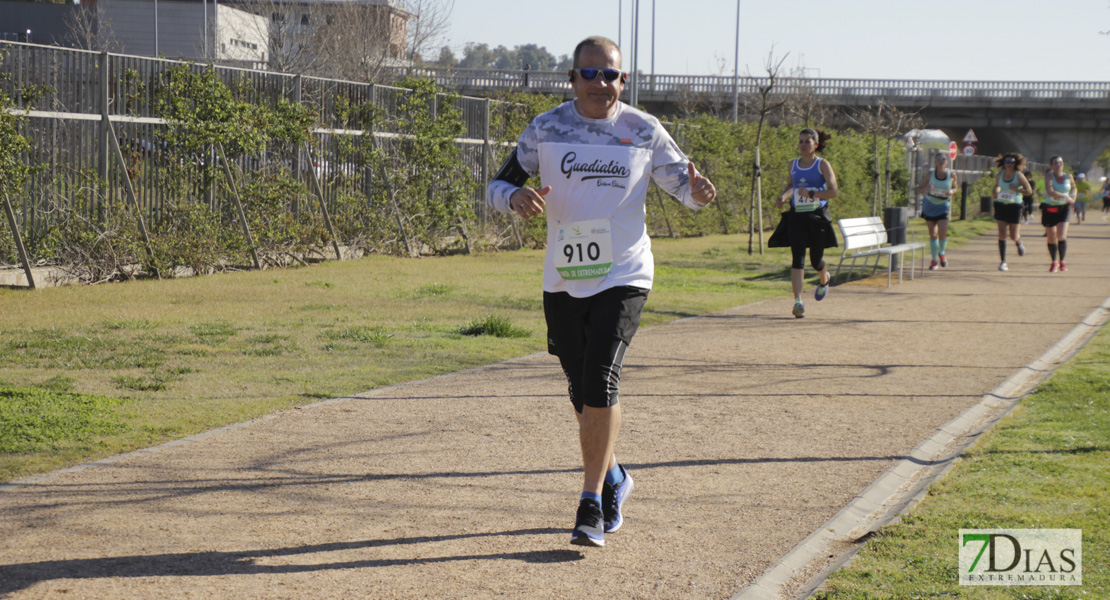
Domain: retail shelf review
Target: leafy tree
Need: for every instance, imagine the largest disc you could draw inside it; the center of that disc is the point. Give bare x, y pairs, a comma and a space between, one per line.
446, 57
477, 56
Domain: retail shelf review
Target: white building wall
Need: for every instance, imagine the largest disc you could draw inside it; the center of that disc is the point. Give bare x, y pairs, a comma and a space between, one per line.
242, 35
233, 35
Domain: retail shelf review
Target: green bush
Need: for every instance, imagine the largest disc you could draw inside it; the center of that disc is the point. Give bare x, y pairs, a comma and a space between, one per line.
496, 326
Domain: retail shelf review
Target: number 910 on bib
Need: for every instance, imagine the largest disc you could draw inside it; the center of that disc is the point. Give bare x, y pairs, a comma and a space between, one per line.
584, 249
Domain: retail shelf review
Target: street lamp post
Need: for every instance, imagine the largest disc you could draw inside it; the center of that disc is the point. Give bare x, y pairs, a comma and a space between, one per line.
736, 70
635, 96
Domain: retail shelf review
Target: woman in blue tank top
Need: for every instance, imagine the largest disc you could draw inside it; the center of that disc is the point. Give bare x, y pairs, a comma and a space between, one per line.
1009, 186
808, 224
936, 206
1059, 197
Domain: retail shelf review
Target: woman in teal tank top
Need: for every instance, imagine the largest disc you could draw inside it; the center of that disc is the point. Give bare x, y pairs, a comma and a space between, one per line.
936, 205
1059, 197
1008, 188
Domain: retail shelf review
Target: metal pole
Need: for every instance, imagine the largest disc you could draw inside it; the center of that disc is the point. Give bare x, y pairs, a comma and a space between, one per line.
736, 78
653, 45
620, 27
204, 28
238, 204
635, 99
156, 28
8, 210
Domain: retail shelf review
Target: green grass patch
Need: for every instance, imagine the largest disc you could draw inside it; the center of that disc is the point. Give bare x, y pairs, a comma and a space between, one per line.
495, 326
374, 336
193, 354
213, 334
1044, 467
36, 419
433, 289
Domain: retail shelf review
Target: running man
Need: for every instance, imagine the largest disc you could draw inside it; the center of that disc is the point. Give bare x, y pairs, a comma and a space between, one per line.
1009, 186
1083, 190
1028, 200
1059, 197
938, 190
595, 156
1106, 196
810, 184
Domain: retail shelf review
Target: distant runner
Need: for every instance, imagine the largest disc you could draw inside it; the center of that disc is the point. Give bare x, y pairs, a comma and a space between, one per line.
1083, 191
1059, 196
1008, 189
1028, 200
938, 190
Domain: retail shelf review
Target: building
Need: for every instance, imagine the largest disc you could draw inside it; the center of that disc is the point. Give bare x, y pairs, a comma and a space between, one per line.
381, 19
200, 30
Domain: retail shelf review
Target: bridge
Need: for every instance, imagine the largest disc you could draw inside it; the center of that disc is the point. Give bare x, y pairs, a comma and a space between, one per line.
1038, 119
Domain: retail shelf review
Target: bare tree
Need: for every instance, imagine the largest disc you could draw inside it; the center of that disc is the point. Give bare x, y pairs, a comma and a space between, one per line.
428, 27
802, 101
710, 100
356, 39
343, 40
89, 28
764, 88
883, 122
290, 31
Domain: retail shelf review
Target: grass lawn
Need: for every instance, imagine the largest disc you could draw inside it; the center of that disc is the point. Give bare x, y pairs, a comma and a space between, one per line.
1046, 466
94, 371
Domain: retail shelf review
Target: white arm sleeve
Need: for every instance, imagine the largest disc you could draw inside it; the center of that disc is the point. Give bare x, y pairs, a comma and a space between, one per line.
669, 170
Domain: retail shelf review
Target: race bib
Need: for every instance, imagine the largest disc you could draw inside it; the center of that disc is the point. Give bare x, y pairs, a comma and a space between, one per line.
584, 249
1006, 196
803, 203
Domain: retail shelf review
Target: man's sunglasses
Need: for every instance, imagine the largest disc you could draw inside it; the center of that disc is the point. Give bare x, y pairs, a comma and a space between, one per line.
591, 74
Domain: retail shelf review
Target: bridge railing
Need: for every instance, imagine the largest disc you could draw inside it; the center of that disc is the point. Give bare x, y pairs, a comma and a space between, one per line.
557, 82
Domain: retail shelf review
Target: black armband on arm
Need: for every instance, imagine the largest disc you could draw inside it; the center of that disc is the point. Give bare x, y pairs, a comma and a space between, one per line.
512, 172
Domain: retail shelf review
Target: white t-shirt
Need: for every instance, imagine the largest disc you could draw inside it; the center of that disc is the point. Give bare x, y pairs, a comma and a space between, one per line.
599, 169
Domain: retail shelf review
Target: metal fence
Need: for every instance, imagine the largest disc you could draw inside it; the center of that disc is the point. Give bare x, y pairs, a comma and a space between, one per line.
838, 91
75, 99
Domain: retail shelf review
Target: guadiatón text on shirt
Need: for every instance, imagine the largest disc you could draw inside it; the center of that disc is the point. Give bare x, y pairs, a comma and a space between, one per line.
609, 169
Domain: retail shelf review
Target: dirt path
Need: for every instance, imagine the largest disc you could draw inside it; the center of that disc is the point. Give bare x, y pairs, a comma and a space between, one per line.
745, 431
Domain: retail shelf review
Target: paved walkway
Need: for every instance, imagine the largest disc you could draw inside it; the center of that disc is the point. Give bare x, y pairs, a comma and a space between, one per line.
746, 431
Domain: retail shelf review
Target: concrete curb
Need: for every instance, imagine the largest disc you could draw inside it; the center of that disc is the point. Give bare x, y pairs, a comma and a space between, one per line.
901, 487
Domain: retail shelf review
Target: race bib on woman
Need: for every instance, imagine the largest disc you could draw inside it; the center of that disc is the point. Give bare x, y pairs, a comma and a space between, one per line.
803, 203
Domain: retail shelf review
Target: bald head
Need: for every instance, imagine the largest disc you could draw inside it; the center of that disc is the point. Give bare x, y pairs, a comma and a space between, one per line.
596, 41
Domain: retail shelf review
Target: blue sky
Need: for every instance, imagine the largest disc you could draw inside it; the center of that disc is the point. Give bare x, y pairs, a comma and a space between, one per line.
1013, 40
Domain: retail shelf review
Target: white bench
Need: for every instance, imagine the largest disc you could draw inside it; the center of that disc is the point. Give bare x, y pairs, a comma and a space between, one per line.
865, 237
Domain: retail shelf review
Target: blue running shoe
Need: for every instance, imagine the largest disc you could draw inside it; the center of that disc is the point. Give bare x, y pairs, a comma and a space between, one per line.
799, 309
612, 499
589, 525
822, 290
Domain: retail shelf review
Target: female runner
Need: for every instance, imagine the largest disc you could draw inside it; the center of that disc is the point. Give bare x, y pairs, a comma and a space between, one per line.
808, 224
1008, 188
938, 190
1059, 197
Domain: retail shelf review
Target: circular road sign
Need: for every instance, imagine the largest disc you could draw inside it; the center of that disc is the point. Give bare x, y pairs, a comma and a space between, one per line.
952, 150
969, 150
